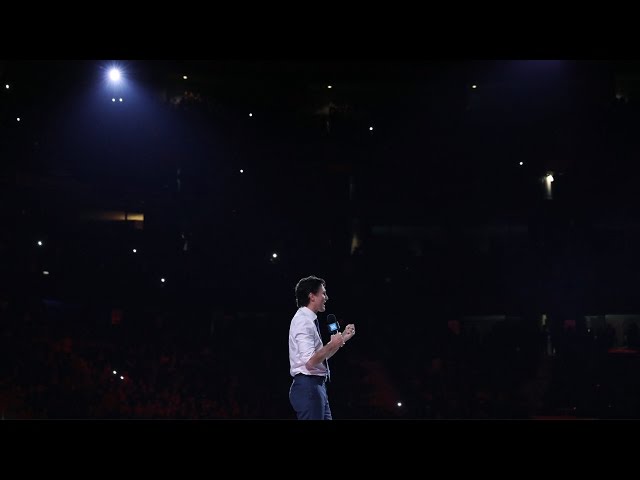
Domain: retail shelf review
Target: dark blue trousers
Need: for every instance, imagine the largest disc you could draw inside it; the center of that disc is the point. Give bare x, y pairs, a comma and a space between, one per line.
308, 397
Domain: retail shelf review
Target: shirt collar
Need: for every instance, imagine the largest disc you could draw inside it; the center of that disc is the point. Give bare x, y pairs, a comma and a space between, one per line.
307, 312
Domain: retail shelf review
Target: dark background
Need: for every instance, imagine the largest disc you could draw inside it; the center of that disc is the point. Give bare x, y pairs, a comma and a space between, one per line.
476, 292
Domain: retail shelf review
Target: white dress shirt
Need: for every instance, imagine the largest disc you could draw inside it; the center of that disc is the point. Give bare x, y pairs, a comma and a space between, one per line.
304, 340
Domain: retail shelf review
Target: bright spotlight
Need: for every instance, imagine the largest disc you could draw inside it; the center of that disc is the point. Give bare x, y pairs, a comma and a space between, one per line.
39, 243
241, 170
114, 75
370, 129
120, 98
399, 404
548, 181
162, 280
114, 372
45, 272
135, 250
7, 86
113, 99
251, 114
275, 255
18, 119
184, 77
521, 163
121, 377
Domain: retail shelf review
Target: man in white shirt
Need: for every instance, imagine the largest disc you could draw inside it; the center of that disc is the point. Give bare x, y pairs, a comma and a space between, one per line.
307, 356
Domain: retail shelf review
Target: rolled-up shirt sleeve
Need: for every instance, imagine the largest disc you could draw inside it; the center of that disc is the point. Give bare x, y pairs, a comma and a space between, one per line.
306, 340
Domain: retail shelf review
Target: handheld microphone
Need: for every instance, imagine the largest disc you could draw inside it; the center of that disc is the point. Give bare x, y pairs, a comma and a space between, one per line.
332, 324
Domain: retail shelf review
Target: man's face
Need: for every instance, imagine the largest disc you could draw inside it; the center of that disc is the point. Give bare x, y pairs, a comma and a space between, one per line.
317, 300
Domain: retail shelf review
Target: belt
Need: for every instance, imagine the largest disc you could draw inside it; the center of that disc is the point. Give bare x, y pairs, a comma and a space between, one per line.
322, 378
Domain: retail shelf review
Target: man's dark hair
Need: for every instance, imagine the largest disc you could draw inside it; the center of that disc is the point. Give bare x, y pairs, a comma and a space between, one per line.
306, 286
